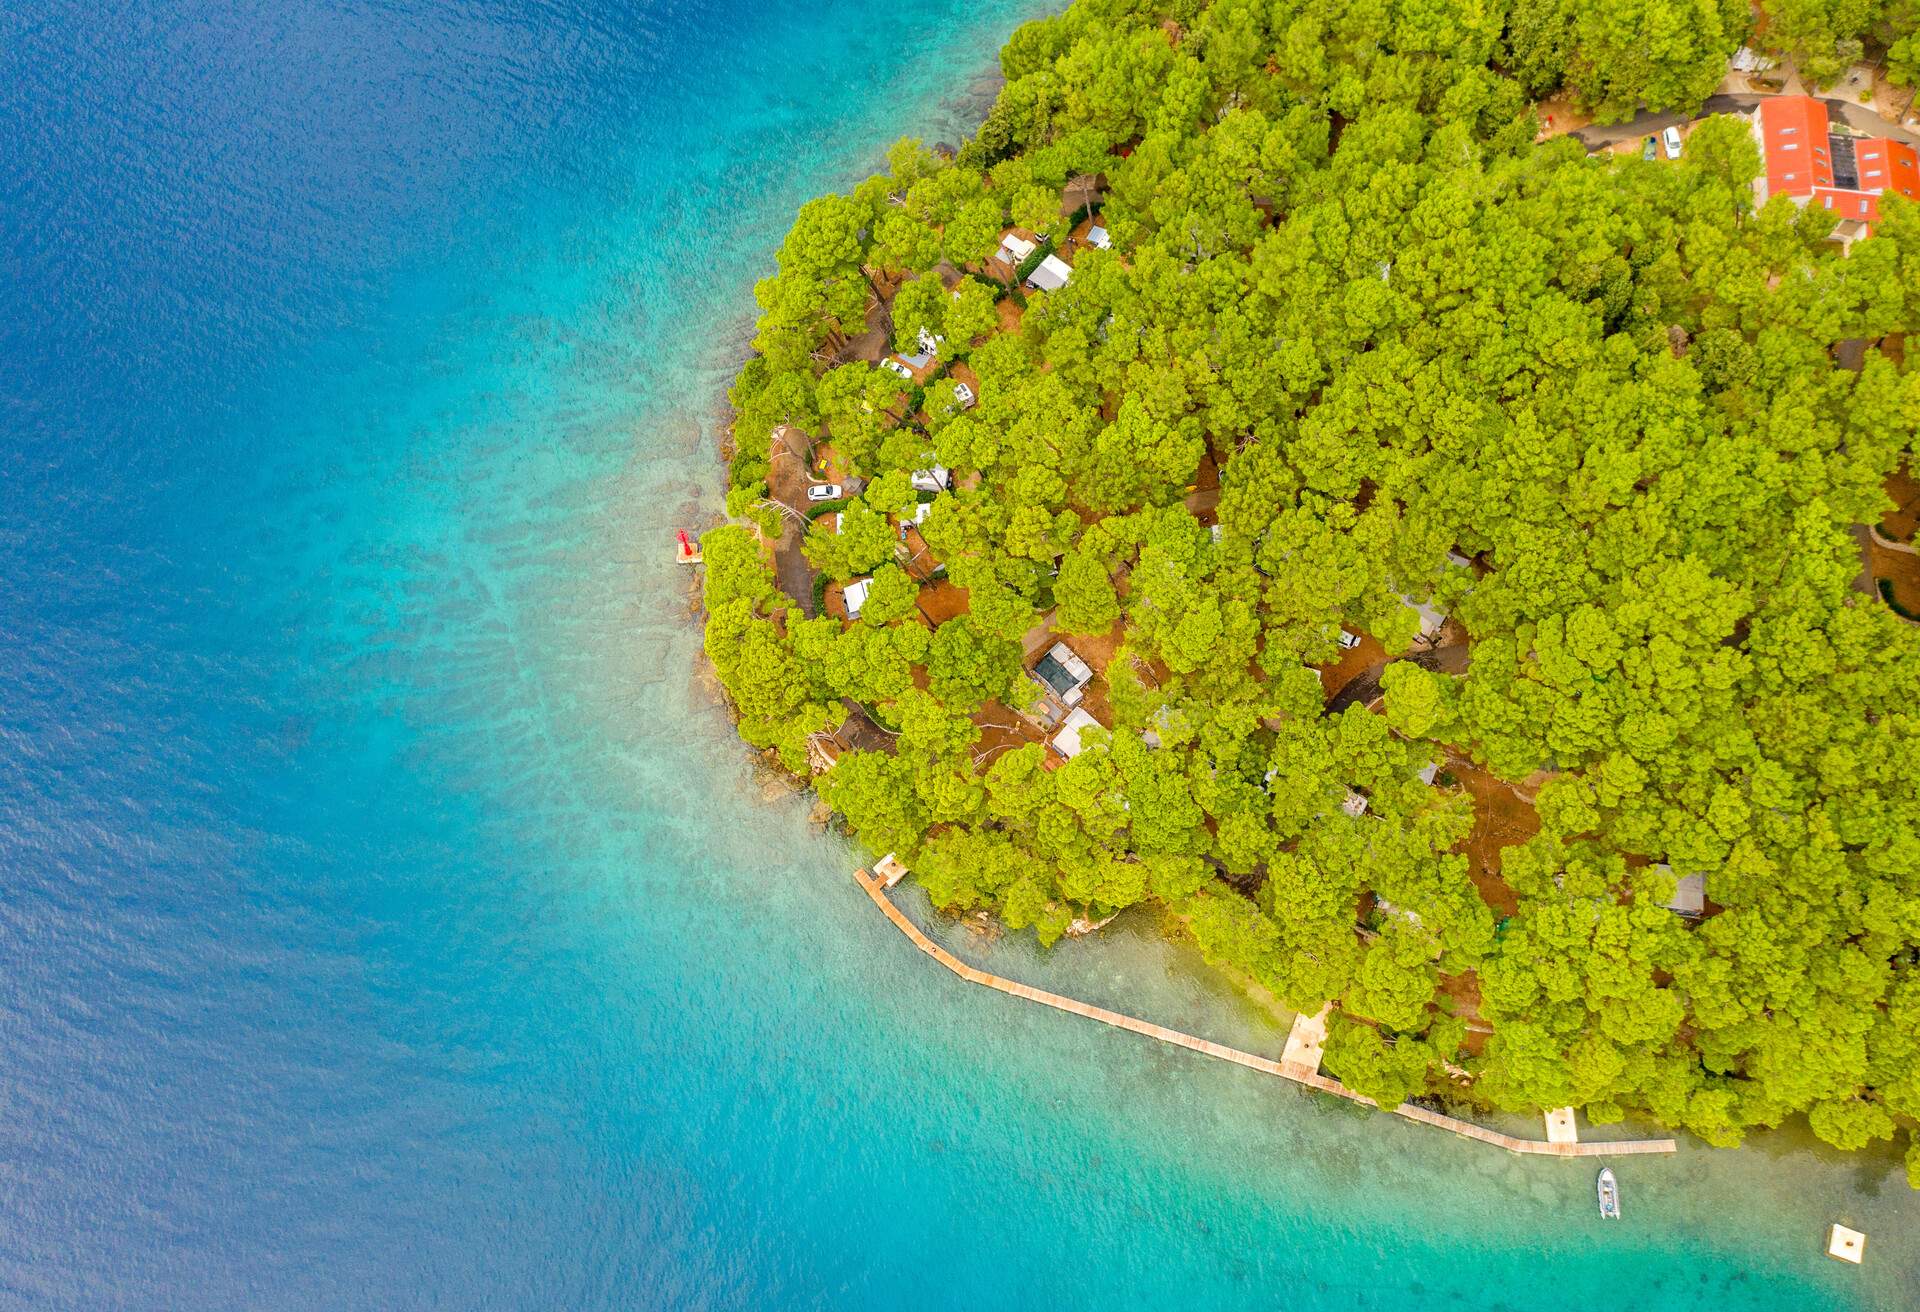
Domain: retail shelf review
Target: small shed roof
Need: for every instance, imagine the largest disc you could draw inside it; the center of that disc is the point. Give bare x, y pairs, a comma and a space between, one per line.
856, 596
1050, 274
1067, 741
1690, 897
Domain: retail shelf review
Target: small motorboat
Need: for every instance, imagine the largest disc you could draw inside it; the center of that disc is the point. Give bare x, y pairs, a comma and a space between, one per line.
1609, 1190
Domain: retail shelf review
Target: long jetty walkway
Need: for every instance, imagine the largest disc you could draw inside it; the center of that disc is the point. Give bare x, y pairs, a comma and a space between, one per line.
877, 890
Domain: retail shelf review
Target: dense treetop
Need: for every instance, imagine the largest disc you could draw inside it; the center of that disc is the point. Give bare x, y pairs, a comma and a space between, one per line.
1590, 408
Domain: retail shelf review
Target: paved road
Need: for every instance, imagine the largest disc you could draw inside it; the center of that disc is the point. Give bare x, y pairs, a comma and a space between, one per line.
1646, 124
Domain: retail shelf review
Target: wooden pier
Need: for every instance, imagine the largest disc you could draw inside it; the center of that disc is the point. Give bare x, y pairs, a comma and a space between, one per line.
1296, 1072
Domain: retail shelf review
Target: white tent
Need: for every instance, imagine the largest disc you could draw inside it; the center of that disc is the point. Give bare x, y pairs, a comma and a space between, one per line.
1051, 274
1067, 741
856, 596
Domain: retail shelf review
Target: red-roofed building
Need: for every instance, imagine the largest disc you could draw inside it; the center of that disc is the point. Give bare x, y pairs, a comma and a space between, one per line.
1845, 174
1847, 204
1884, 164
1793, 139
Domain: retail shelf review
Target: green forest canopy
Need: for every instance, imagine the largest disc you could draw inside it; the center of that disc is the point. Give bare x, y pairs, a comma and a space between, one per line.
1343, 273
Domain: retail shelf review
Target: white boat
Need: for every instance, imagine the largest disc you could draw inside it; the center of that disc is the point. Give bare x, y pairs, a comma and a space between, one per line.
1609, 1190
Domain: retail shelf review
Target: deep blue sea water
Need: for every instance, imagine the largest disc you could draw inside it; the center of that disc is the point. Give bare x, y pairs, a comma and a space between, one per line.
387, 918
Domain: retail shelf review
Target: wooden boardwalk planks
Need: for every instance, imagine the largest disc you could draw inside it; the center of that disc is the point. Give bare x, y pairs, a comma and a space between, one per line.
876, 890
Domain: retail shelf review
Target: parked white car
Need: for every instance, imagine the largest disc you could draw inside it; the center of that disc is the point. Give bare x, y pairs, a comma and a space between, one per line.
897, 367
1348, 641
824, 492
1671, 138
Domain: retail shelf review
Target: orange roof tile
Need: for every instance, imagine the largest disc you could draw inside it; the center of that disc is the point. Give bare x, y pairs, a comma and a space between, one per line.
1848, 204
1793, 136
1888, 165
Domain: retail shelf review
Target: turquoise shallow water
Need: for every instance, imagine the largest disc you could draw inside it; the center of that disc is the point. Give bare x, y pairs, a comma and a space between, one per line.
390, 919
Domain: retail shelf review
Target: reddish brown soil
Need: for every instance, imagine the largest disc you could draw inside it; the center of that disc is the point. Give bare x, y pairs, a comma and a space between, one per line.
1452, 649
1001, 730
835, 602
1899, 569
941, 601
787, 466
1351, 662
787, 479
1501, 819
827, 466
1559, 116
1097, 651
1463, 991
1203, 500
1901, 522
861, 734
1037, 639
872, 343
920, 562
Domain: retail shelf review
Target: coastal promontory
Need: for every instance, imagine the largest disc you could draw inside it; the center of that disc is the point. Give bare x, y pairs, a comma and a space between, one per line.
1455, 569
